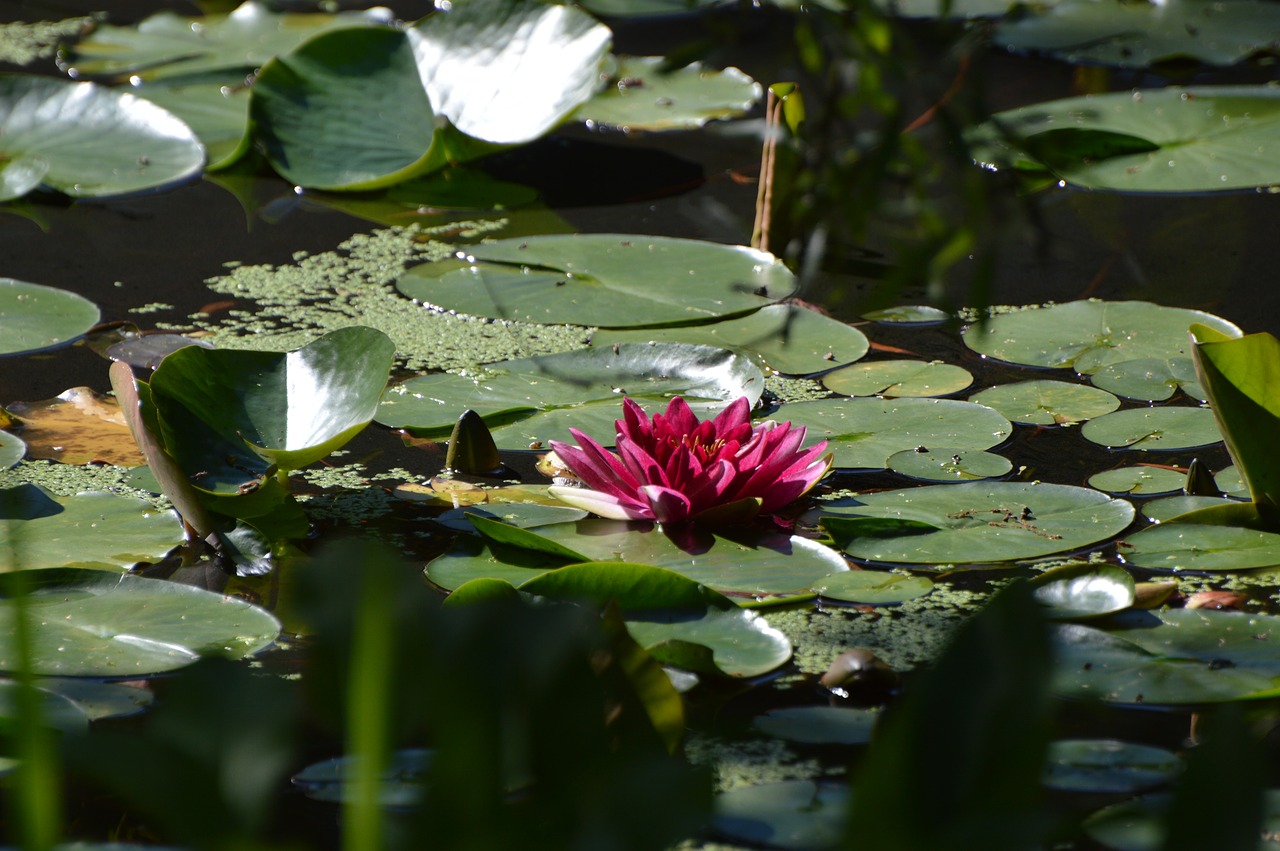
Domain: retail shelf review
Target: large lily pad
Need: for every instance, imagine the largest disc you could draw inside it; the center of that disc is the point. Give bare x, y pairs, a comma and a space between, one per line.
284, 409
1202, 546
669, 615
88, 141
642, 95
166, 44
754, 564
584, 382
1089, 335
217, 111
1197, 139
345, 111
1043, 402
866, 432
1169, 657
34, 317
1150, 379
979, 522
97, 625
93, 530
506, 71
788, 338
1163, 429
897, 378
608, 280
1136, 35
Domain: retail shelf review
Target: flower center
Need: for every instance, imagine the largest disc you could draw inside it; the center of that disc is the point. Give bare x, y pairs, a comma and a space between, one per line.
700, 449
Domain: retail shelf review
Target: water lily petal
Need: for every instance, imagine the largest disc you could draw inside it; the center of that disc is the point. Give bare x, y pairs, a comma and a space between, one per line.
677, 422
602, 504
643, 466
667, 505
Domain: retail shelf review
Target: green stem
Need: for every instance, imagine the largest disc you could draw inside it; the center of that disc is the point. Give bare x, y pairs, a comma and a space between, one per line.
368, 709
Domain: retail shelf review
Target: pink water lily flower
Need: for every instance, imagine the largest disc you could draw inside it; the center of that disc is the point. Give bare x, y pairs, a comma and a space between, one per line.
675, 468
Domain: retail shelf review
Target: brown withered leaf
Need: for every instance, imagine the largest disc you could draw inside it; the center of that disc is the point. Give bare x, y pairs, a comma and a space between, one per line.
1151, 595
76, 427
1219, 600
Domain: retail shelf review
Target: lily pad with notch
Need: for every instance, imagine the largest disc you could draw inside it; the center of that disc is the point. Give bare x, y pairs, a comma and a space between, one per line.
643, 94
1183, 545
605, 280
1139, 480
708, 378
217, 110
898, 378
100, 625
1166, 429
1150, 379
981, 522
872, 587
1047, 402
34, 317
945, 464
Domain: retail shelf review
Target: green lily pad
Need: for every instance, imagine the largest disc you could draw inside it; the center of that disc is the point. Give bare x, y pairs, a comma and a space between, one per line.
505, 71
595, 379
818, 725
982, 521
459, 188
795, 814
1137, 35
521, 514
402, 783
945, 9
93, 530
166, 45
1199, 139
1044, 402
55, 711
608, 280
1202, 546
88, 141
217, 111
93, 624
755, 564
1154, 429
641, 95
908, 315
11, 450
647, 8
865, 433
1138, 480
1229, 481
1108, 766
943, 464
1160, 510
1089, 335
1150, 379
34, 317
345, 111
872, 587
896, 378
1169, 657
670, 615
268, 408
1141, 824
1083, 589
98, 700
787, 338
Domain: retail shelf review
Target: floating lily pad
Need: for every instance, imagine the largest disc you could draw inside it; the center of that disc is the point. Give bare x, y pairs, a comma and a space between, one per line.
1137, 35
648, 8
402, 782
98, 530
1201, 546
872, 587
1043, 402
1141, 824
788, 338
641, 95
945, 9
217, 111
260, 409
1154, 429
166, 44
1108, 766
34, 317
756, 565
1083, 590
95, 624
1160, 510
819, 725
797, 814
506, 71
1150, 379
609, 280
55, 711
864, 433
1089, 335
98, 700
678, 620
1229, 481
982, 521
11, 450
896, 378
1138, 480
908, 315
76, 427
520, 514
943, 464
596, 379
88, 141
1197, 139
345, 111
1169, 657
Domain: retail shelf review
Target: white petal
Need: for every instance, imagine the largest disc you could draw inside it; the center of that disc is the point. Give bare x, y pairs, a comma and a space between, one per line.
601, 504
